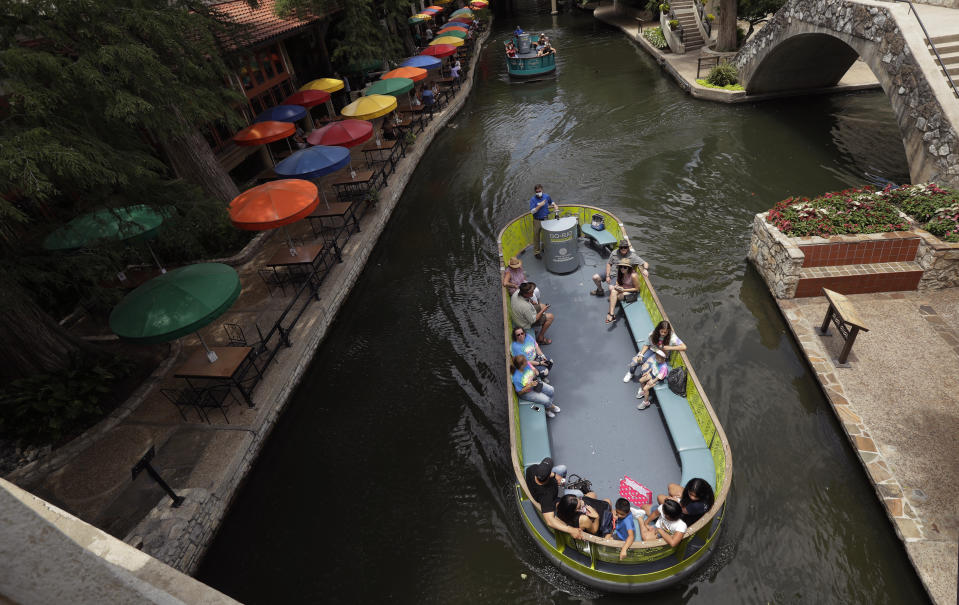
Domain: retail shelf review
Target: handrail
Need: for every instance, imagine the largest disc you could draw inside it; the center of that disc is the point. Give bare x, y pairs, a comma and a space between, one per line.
929, 41
707, 26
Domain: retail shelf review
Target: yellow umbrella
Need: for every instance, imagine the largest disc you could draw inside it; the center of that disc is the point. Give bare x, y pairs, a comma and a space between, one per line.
423, 16
324, 84
452, 41
369, 107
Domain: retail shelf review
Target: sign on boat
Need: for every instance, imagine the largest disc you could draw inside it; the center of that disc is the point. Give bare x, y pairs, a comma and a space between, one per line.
600, 435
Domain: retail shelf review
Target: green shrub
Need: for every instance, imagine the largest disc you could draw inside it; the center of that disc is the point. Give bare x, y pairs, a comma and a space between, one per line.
921, 202
724, 74
740, 36
44, 408
710, 17
655, 37
664, 7
673, 24
703, 82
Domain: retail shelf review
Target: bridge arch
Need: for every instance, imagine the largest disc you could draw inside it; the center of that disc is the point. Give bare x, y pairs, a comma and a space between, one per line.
810, 44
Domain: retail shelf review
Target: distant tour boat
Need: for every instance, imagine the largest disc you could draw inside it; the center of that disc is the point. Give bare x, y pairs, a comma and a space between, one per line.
600, 434
525, 63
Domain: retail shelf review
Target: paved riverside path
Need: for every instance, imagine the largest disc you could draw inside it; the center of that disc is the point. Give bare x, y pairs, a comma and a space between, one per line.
90, 477
899, 406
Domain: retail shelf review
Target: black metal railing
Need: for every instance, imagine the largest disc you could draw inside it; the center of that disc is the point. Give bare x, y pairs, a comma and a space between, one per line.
703, 61
707, 26
935, 51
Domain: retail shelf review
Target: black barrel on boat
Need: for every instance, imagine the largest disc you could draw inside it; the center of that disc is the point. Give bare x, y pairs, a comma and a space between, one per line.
560, 248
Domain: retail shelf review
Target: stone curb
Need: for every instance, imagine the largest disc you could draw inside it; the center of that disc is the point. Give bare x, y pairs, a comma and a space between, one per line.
180, 536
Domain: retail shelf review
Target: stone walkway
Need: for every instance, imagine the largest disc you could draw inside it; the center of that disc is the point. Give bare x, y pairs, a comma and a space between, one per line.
90, 477
683, 67
899, 405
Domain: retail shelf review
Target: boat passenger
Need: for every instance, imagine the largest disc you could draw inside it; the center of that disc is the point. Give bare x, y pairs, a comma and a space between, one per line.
518, 31
695, 499
525, 315
510, 50
589, 514
514, 275
624, 526
625, 289
669, 525
623, 252
524, 344
662, 337
540, 206
544, 481
529, 387
654, 370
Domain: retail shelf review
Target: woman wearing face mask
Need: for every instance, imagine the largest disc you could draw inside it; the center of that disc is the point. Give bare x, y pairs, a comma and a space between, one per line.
540, 206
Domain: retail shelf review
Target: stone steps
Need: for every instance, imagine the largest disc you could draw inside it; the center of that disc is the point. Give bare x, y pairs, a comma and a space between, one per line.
948, 49
938, 40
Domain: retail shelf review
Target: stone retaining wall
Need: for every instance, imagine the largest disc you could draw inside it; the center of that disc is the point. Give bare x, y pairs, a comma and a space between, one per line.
777, 258
932, 263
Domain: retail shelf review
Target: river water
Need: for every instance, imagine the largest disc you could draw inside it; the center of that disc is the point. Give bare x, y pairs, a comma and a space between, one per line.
389, 474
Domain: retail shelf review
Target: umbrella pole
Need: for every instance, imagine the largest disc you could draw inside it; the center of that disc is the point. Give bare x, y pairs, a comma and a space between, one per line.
329, 108
155, 259
289, 241
211, 355
309, 119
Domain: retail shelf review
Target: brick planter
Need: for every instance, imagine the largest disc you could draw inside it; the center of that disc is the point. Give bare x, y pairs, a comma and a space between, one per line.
797, 267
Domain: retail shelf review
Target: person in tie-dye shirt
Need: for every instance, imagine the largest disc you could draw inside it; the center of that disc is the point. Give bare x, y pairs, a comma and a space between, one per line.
524, 343
654, 370
525, 381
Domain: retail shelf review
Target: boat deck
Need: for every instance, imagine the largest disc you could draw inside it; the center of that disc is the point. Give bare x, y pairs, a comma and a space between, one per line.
599, 435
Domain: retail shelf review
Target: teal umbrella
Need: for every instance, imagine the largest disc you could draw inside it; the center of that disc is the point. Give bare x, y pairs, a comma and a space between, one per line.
176, 303
130, 223
390, 86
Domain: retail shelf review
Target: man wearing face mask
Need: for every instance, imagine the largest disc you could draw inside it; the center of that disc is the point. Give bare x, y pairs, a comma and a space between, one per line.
540, 206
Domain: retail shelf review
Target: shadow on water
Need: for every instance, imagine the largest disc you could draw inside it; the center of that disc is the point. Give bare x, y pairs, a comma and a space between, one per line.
389, 474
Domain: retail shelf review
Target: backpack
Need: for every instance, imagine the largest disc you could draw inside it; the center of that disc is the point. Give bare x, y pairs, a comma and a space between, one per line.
677, 381
598, 223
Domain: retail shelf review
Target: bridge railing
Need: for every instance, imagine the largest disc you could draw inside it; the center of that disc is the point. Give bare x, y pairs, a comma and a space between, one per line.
932, 45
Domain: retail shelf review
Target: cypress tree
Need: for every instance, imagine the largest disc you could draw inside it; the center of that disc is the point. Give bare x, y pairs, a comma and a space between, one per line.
105, 98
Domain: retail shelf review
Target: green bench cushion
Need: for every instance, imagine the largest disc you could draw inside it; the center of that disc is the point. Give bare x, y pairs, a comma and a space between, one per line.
698, 463
603, 237
679, 418
639, 322
533, 433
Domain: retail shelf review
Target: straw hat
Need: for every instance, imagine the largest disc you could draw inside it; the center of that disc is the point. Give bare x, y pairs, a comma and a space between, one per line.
515, 263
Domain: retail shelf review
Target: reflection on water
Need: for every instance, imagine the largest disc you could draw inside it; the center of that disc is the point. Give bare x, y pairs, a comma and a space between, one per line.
389, 475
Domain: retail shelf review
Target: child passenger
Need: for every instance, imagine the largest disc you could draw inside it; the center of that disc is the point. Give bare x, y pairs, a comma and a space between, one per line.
669, 525
654, 370
624, 526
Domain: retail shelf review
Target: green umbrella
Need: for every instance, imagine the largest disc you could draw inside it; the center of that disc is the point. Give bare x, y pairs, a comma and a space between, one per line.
390, 86
176, 303
462, 11
453, 32
130, 223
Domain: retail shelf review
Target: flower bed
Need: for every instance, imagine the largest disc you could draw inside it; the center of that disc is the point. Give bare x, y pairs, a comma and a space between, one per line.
866, 210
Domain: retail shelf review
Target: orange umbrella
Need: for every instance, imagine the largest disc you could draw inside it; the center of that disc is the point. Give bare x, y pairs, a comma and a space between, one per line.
274, 204
264, 132
455, 26
413, 73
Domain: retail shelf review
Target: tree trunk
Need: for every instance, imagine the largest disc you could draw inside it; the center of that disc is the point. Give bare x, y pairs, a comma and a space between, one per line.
33, 343
405, 34
193, 160
726, 37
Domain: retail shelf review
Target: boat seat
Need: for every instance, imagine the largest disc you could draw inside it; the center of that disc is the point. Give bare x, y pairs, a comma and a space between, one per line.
602, 238
698, 463
533, 434
639, 322
679, 419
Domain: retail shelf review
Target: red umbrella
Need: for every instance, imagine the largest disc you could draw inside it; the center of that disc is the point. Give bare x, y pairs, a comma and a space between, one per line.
307, 98
439, 50
434, 7
345, 133
264, 132
462, 19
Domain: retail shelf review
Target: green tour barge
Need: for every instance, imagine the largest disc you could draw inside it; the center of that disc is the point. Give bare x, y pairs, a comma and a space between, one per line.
526, 63
599, 434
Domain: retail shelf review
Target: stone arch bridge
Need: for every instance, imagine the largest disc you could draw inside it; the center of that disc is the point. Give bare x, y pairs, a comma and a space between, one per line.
810, 44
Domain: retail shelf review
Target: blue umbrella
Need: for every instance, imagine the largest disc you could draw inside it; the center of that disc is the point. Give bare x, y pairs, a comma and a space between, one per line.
423, 62
282, 113
313, 162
